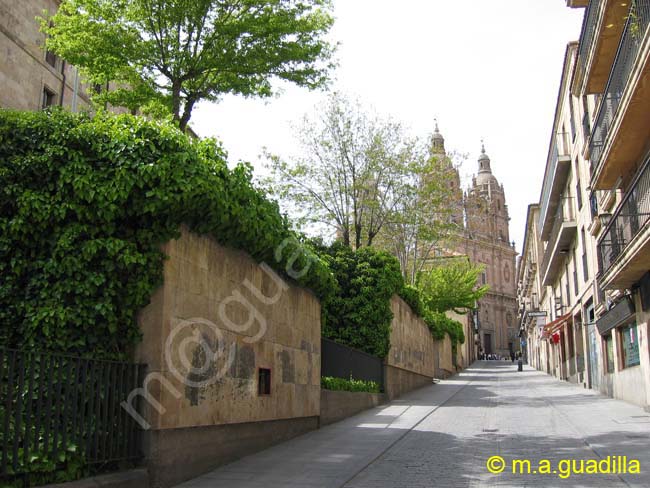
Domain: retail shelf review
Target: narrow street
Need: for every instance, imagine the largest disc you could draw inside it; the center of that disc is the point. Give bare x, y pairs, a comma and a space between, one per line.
443, 435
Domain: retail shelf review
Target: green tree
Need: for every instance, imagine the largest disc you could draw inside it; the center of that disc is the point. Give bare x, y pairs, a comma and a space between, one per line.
352, 173
171, 54
425, 215
452, 285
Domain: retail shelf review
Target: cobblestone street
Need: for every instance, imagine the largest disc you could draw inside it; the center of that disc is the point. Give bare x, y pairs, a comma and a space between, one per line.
443, 435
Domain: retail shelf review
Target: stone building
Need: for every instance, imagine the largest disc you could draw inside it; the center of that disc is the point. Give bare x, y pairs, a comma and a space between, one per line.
484, 238
593, 234
31, 77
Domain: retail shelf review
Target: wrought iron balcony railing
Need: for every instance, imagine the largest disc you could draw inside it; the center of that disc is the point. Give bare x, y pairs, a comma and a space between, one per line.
589, 23
634, 32
565, 213
632, 215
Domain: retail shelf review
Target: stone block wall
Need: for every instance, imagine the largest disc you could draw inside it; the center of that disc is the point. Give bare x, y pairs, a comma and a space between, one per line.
219, 300
411, 361
337, 405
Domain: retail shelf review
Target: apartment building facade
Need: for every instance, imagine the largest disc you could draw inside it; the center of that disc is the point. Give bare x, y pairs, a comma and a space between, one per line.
593, 228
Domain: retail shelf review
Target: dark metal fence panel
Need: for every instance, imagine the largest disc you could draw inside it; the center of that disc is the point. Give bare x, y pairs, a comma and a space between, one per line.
342, 361
632, 216
57, 409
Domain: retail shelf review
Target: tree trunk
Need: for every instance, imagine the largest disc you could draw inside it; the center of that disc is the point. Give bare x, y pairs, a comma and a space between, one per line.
187, 113
176, 100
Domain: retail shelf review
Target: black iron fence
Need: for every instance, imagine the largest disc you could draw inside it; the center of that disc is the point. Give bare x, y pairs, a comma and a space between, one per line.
342, 361
632, 215
60, 413
634, 32
589, 23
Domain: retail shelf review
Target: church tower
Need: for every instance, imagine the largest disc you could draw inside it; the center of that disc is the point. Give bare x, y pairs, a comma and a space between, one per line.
486, 241
485, 204
455, 189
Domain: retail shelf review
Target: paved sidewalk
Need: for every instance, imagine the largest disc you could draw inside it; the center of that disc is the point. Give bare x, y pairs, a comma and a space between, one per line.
442, 435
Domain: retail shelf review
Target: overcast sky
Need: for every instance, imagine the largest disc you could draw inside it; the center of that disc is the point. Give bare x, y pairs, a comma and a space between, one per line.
483, 68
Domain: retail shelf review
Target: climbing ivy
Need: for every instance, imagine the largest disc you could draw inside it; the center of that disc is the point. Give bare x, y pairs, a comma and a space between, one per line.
85, 204
358, 314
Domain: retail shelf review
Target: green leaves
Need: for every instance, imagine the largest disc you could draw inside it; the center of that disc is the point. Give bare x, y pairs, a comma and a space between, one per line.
452, 286
341, 384
85, 205
167, 55
358, 313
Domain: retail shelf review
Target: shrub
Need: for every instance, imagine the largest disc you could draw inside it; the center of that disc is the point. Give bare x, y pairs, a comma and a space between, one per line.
439, 325
412, 297
85, 204
358, 314
341, 384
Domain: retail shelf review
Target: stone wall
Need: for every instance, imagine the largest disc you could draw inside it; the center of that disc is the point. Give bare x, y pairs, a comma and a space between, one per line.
444, 366
411, 361
219, 300
337, 405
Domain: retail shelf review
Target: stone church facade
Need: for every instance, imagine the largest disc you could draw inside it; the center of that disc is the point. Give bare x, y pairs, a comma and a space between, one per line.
484, 237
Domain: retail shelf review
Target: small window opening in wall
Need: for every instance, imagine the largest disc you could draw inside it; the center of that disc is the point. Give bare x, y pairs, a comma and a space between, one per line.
48, 98
50, 58
264, 381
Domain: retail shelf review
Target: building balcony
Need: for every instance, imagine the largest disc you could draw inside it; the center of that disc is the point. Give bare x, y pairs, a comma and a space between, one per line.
621, 129
558, 167
562, 235
601, 31
624, 246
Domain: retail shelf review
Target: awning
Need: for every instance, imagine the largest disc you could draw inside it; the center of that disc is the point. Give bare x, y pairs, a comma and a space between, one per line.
554, 326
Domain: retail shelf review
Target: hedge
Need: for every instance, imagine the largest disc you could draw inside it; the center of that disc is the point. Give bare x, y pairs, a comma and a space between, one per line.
85, 204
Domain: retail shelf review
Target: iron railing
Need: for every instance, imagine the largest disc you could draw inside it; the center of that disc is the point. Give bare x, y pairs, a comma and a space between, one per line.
564, 213
559, 146
589, 24
632, 215
342, 361
57, 411
634, 32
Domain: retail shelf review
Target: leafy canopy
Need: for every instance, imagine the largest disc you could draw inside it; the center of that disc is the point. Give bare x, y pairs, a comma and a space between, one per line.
452, 285
85, 204
171, 54
352, 173
358, 313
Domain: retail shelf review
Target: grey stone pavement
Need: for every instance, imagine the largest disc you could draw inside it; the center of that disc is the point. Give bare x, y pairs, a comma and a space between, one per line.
443, 434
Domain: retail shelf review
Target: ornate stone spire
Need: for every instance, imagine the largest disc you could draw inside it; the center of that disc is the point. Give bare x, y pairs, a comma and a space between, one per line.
438, 142
484, 160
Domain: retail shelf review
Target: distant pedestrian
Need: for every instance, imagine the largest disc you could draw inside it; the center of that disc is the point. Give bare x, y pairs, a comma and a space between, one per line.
512, 356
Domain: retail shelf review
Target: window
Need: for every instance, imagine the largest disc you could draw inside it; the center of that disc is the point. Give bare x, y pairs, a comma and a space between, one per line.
630, 345
608, 346
50, 58
567, 284
48, 98
575, 273
571, 344
578, 191
585, 264
586, 125
264, 381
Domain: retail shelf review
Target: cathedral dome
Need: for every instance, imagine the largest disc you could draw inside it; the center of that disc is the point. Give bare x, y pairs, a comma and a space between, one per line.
485, 175
437, 141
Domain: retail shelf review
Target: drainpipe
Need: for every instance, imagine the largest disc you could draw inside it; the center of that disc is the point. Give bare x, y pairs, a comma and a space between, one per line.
62, 82
75, 92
